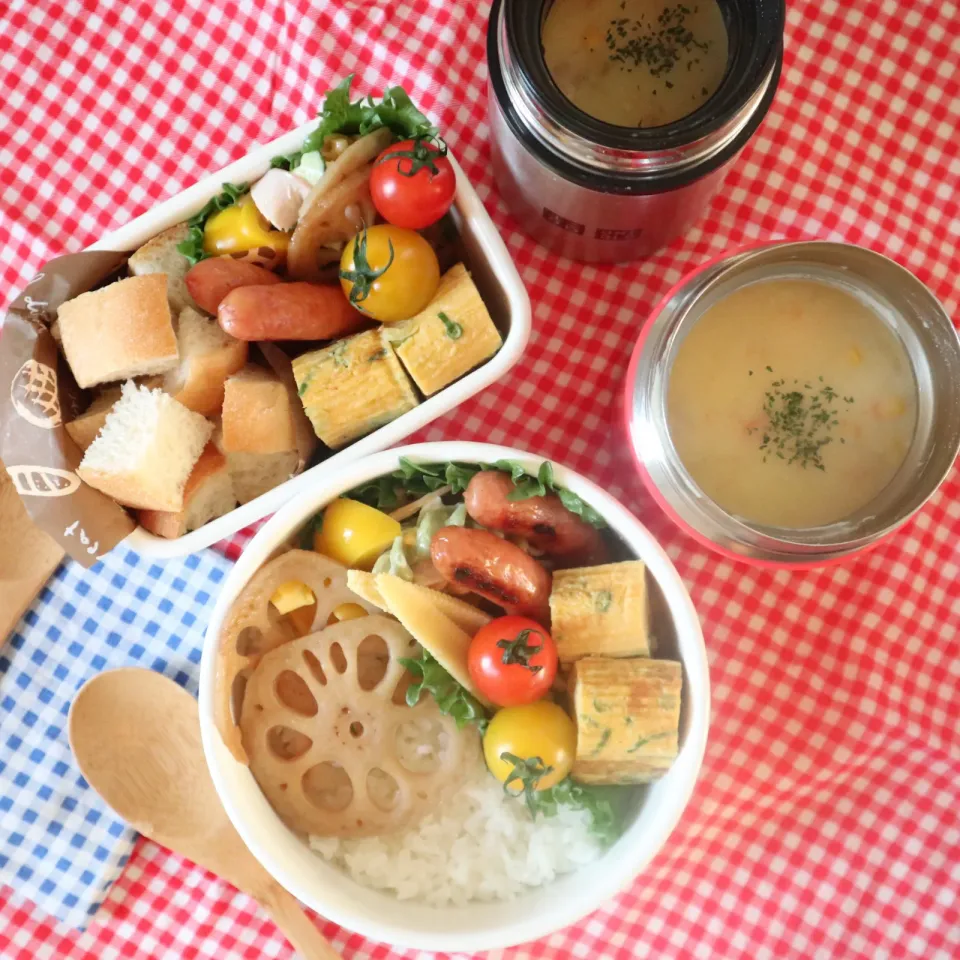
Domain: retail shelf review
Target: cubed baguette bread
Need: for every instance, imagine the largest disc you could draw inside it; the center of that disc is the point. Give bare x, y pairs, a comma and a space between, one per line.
207, 357
216, 438
257, 413
146, 450
256, 473
84, 428
207, 495
160, 255
259, 432
120, 331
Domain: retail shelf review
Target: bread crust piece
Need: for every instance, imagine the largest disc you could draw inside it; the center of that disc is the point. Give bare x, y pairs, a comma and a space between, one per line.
207, 495
122, 330
146, 450
160, 255
257, 413
207, 358
83, 431
259, 432
253, 474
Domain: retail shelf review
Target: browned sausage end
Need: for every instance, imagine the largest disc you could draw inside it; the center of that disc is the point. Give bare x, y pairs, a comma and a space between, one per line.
494, 568
542, 521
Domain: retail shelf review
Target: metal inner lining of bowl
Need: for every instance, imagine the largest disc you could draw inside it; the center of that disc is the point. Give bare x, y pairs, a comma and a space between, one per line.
900, 301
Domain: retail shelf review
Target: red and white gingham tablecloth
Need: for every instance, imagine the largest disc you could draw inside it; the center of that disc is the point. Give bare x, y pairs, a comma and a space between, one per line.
827, 818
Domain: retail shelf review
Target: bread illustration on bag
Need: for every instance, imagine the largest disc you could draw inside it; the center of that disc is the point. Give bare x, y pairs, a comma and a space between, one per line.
40, 481
33, 393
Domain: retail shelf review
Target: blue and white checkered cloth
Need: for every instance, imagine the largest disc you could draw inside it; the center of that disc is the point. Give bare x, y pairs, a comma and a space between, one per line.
60, 845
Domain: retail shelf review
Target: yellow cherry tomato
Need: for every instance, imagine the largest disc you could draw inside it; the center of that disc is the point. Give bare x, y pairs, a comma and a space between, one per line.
540, 735
354, 534
240, 228
389, 273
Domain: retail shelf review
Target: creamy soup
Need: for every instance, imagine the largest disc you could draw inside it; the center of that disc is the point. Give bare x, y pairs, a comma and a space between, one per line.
791, 403
635, 63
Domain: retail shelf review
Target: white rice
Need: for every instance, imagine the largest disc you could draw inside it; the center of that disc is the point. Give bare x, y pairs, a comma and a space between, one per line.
482, 845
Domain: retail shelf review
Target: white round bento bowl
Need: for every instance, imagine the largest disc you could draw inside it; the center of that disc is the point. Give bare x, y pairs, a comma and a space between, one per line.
480, 926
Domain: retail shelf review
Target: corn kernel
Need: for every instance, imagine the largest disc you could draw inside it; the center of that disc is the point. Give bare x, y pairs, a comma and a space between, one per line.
349, 611
292, 595
891, 408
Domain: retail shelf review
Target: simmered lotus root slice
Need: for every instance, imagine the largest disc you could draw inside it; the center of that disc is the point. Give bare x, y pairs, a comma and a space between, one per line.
253, 627
333, 750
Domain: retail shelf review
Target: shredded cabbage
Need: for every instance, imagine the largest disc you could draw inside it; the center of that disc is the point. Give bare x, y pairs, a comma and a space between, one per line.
413, 545
311, 167
433, 516
395, 561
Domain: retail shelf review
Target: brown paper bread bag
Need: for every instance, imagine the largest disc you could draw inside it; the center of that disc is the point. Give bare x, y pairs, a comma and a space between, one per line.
28, 557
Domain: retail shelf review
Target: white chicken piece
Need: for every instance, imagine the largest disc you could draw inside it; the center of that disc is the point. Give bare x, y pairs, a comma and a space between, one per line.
278, 195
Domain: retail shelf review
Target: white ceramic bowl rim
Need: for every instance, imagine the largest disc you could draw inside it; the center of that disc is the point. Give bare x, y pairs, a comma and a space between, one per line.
478, 926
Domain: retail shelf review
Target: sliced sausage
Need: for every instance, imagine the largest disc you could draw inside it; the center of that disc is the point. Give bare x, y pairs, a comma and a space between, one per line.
496, 569
212, 279
543, 521
288, 311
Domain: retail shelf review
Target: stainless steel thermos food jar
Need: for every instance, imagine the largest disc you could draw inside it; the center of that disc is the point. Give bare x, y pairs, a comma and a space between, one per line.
899, 300
594, 191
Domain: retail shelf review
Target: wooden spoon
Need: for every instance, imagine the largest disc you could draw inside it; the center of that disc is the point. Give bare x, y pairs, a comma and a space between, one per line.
136, 737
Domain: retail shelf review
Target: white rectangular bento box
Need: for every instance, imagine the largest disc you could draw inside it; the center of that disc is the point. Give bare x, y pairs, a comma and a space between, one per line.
487, 259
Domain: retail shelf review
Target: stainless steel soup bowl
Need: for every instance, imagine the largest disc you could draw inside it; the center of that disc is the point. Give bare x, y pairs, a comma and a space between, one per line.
908, 309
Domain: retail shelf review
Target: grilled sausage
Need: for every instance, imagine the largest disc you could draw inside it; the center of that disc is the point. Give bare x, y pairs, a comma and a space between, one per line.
494, 568
288, 311
210, 280
544, 522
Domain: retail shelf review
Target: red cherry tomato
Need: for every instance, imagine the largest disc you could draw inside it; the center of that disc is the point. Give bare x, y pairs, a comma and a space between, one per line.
413, 184
512, 661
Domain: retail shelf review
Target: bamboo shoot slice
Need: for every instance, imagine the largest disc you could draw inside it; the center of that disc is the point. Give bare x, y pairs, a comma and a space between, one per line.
465, 615
433, 629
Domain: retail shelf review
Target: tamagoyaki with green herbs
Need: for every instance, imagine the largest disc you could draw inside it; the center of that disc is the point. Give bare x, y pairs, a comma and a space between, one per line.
449, 337
601, 611
352, 387
628, 716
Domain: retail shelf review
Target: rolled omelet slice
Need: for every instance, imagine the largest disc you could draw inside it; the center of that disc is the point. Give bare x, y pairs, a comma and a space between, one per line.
601, 611
430, 626
628, 718
449, 337
352, 387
